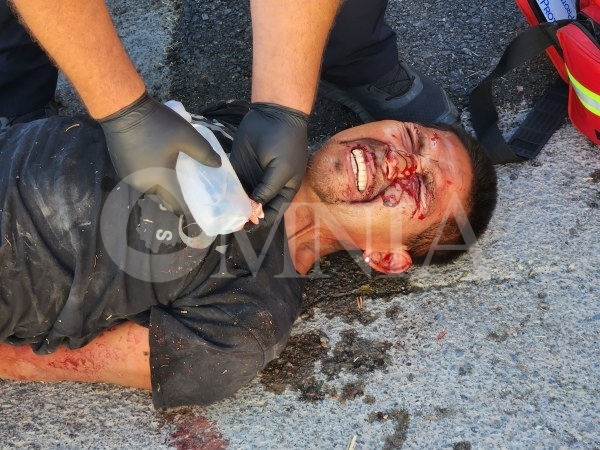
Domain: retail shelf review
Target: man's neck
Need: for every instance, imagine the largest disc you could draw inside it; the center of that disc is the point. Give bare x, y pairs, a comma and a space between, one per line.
307, 240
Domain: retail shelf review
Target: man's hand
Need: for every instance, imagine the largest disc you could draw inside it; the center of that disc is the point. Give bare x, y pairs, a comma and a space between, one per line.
275, 137
148, 134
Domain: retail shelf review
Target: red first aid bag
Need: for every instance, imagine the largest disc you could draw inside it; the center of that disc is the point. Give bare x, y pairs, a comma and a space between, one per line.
569, 32
540, 11
580, 43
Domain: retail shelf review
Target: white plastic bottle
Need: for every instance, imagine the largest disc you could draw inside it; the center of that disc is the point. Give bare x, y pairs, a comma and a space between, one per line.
214, 196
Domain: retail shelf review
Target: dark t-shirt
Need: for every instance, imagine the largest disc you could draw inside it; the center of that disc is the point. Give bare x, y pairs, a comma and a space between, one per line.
81, 251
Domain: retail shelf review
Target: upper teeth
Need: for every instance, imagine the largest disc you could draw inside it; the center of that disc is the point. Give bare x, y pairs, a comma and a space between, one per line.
359, 168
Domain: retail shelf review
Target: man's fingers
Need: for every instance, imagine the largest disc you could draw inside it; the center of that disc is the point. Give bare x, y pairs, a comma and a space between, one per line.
274, 210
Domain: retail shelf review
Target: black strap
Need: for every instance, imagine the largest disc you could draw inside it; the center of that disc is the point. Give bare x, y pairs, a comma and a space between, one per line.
547, 115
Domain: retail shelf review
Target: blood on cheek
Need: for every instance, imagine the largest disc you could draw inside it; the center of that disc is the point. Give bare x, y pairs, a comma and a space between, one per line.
392, 195
395, 162
406, 184
409, 171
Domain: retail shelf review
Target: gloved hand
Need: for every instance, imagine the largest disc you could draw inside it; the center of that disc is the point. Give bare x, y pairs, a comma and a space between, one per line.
148, 134
273, 137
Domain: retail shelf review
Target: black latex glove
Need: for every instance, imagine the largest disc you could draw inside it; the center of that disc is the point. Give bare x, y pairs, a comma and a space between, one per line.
148, 134
273, 137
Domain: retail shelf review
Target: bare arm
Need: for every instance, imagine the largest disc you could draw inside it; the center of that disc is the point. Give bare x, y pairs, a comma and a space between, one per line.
81, 38
288, 42
118, 356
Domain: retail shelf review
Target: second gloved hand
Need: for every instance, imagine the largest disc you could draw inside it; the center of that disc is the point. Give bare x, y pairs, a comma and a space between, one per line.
150, 135
273, 137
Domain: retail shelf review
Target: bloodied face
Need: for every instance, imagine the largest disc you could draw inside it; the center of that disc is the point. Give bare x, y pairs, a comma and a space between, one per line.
392, 172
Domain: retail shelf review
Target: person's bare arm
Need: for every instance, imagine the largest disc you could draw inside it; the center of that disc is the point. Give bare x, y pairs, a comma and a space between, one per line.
287, 49
140, 132
118, 356
288, 42
82, 40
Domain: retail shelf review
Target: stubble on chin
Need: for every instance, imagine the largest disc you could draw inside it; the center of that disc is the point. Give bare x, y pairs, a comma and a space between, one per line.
322, 179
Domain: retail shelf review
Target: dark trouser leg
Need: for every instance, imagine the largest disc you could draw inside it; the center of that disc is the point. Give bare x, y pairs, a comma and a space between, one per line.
361, 47
27, 77
362, 72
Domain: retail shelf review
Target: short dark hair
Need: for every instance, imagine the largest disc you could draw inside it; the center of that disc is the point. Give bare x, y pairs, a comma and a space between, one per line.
479, 209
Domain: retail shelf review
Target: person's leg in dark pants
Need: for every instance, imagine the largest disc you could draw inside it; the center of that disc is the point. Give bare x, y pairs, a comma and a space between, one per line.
361, 70
361, 47
27, 76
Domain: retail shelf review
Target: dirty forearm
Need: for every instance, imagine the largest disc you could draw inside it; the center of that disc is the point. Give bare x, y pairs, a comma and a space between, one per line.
118, 356
288, 42
81, 39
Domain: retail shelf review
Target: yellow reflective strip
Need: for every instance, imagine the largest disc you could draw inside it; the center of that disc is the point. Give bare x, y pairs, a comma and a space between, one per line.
588, 98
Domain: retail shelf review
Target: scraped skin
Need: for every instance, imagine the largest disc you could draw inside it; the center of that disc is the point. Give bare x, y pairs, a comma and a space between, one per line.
119, 355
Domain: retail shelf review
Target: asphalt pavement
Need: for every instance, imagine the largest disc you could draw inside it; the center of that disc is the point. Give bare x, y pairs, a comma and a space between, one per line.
500, 349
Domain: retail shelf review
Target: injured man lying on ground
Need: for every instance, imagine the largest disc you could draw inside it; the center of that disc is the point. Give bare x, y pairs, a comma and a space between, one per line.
99, 283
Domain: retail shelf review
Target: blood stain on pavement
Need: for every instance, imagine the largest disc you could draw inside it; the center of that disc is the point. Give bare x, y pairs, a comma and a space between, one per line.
192, 431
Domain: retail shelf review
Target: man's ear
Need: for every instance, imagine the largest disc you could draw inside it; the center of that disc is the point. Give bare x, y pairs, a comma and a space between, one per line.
388, 262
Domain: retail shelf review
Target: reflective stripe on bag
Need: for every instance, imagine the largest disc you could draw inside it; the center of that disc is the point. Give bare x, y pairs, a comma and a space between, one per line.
588, 98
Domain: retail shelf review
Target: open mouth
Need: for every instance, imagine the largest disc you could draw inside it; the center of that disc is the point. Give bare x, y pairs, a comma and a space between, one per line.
398, 169
359, 167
